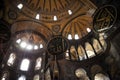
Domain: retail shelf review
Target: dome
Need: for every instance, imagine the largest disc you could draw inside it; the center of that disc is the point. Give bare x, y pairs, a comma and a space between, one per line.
59, 40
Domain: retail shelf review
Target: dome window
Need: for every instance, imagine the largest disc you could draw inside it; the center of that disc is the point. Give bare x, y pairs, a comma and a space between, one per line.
69, 36
18, 41
35, 47
37, 16
76, 37
23, 44
29, 47
69, 12
41, 45
88, 30
20, 6
55, 18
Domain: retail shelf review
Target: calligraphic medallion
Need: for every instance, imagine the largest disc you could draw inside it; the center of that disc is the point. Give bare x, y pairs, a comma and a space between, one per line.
57, 45
104, 18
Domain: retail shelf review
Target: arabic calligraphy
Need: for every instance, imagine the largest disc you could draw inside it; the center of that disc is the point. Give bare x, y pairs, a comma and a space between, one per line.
57, 45
104, 18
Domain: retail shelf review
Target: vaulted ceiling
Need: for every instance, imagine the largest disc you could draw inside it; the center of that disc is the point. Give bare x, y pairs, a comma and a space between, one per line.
37, 21
50, 17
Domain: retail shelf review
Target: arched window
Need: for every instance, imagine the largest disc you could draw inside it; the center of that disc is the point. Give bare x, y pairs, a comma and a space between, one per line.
25, 65
38, 63
36, 77
81, 74
96, 69
89, 50
102, 40
22, 78
81, 53
97, 46
67, 55
73, 53
47, 75
101, 76
11, 59
5, 76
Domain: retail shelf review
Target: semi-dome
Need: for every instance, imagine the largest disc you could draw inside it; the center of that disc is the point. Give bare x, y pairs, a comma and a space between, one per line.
59, 40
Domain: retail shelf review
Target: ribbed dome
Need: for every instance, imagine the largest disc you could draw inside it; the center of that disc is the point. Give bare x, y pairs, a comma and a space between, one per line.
78, 27
47, 10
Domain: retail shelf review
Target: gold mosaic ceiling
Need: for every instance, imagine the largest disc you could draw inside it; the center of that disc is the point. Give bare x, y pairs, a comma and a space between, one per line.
68, 14
48, 8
